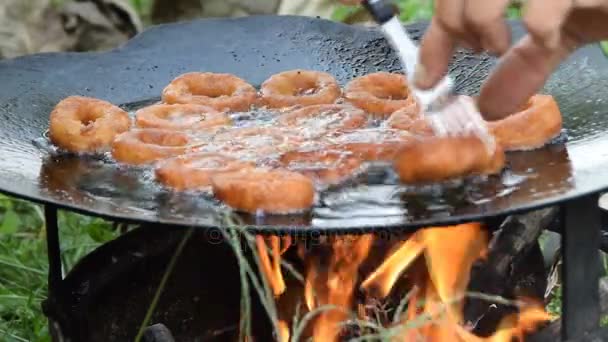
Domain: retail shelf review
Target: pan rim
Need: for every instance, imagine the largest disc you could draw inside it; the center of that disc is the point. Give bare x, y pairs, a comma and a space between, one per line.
43, 199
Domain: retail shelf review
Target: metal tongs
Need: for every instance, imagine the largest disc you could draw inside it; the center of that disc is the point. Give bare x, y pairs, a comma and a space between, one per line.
449, 114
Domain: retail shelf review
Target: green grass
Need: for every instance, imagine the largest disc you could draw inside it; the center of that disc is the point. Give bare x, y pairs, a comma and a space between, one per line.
410, 10
144, 8
23, 263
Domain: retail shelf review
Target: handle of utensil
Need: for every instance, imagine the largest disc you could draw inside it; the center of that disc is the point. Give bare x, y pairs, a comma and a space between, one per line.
384, 13
381, 10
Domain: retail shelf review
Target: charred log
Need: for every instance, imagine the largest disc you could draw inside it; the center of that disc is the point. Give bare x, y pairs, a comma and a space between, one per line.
514, 267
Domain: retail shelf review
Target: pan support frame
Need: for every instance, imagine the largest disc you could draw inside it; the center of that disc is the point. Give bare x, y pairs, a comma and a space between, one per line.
53, 306
581, 234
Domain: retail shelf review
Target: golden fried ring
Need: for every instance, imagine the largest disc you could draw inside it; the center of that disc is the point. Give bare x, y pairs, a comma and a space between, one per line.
82, 124
223, 92
531, 128
372, 144
442, 158
194, 171
143, 146
299, 88
324, 167
264, 191
181, 117
415, 123
381, 93
321, 119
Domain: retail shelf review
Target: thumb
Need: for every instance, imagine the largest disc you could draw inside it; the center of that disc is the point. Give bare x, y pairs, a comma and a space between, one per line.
519, 75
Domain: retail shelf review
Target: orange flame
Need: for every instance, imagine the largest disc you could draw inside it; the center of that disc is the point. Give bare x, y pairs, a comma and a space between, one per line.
450, 254
271, 270
283, 331
339, 285
435, 263
381, 281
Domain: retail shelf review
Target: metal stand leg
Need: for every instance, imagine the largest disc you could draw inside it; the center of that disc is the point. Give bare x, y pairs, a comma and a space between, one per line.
581, 267
50, 306
53, 249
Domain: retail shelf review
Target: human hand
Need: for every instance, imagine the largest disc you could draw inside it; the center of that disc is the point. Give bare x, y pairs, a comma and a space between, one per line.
555, 28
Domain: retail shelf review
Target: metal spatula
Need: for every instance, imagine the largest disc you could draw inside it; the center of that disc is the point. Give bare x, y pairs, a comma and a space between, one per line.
449, 114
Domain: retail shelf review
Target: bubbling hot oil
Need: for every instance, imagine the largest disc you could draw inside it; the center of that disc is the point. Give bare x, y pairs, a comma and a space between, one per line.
373, 191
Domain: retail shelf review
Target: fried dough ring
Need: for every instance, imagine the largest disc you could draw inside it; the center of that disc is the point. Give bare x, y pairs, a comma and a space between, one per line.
415, 123
223, 92
372, 144
180, 117
264, 191
531, 128
194, 171
441, 158
321, 119
143, 146
324, 167
299, 88
381, 93
83, 124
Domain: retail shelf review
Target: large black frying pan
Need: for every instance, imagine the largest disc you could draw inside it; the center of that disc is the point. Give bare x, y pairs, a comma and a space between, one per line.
255, 48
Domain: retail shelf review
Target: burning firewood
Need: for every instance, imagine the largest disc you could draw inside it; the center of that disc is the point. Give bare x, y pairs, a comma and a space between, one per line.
429, 272
514, 262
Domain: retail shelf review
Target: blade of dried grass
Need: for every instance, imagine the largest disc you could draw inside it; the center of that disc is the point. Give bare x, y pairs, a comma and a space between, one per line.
234, 233
163, 283
245, 320
403, 304
300, 326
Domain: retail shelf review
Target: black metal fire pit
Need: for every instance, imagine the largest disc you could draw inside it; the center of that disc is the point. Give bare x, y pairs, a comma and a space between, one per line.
106, 296
570, 172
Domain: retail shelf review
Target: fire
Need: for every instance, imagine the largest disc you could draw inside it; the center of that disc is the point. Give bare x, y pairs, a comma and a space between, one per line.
461, 246
434, 263
382, 280
271, 269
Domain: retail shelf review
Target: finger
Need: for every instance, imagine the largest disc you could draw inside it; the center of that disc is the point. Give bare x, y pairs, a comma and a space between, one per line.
595, 4
450, 16
436, 49
544, 19
486, 19
521, 73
